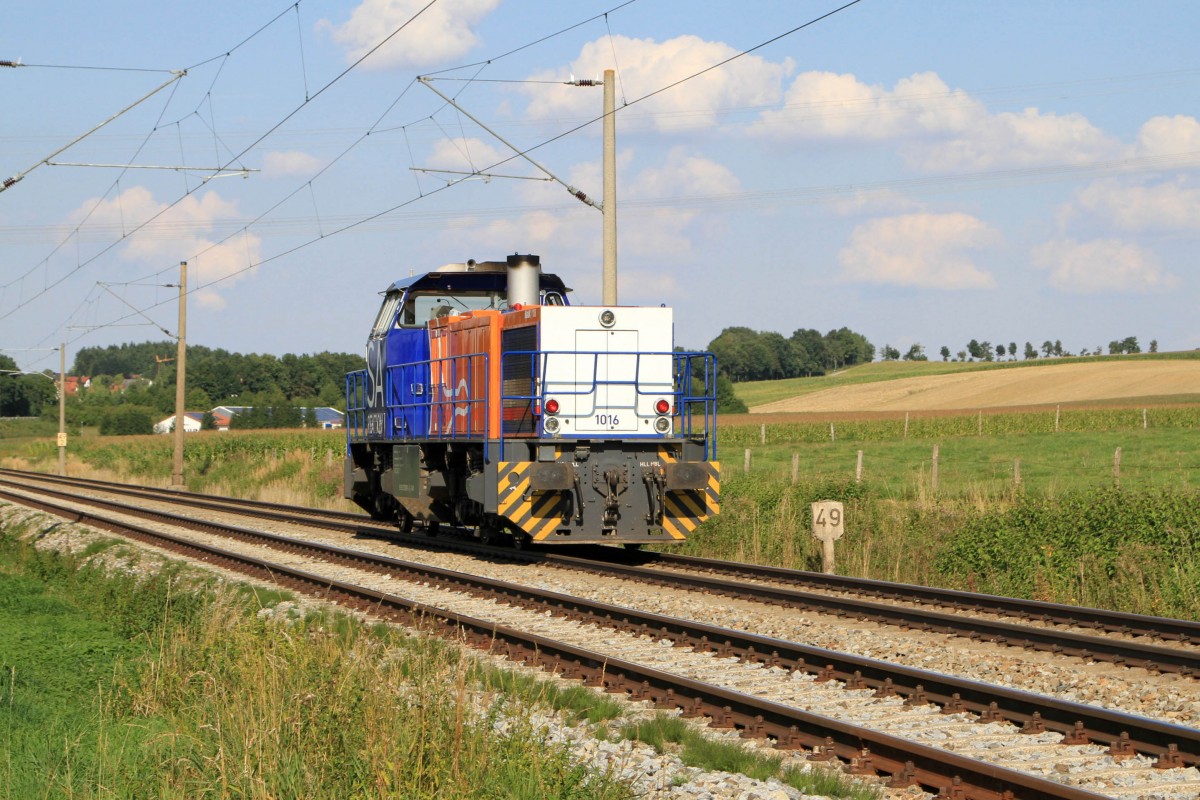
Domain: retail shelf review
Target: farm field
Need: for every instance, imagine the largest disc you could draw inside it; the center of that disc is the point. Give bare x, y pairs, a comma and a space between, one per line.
929, 385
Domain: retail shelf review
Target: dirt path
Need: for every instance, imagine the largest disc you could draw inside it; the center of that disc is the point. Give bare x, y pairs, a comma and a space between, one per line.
1066, 383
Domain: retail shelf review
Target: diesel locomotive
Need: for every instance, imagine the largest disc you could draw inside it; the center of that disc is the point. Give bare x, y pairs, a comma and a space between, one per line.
489, 402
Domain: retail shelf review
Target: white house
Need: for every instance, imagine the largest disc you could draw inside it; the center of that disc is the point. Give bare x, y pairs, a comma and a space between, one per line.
191, 423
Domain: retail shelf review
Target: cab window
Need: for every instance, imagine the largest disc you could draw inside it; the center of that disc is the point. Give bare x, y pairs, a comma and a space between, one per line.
386, 313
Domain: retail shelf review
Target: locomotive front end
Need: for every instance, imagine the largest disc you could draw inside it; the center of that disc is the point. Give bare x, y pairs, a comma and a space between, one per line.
619, 456
489, 401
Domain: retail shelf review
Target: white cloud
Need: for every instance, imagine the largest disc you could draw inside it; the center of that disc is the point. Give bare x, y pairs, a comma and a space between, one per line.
1101, 265
184, 231
1168, 136
281, 164
829, 105
1164, 206
1027, 138
924, 250
647, 65
669, 230
940, 128
444, 31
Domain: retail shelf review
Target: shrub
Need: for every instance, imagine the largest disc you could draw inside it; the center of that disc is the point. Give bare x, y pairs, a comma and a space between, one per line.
127, 421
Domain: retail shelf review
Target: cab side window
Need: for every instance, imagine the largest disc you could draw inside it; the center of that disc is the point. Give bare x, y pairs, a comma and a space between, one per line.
387, 313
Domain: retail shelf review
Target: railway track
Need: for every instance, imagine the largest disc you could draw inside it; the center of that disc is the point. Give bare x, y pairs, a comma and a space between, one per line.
1125, 736
1039, 626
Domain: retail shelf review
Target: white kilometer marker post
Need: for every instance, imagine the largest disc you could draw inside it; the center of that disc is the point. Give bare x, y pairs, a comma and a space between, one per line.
828, 520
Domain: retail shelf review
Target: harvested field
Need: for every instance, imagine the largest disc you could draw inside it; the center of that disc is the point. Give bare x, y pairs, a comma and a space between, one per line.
1102, 382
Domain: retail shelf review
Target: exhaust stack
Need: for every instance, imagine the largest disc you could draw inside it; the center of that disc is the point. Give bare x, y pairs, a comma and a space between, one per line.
524, 280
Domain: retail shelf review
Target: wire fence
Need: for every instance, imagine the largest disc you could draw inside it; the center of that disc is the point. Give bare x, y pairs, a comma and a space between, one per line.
1145, 448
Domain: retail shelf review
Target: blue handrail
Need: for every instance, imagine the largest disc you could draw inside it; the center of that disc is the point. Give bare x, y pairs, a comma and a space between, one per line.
441, 392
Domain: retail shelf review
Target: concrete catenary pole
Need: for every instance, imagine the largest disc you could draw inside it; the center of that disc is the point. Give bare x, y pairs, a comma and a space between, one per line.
610, 188
180, 380
62, 408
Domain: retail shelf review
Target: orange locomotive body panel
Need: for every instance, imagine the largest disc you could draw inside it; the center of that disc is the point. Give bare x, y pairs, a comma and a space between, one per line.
465, 373
519, 370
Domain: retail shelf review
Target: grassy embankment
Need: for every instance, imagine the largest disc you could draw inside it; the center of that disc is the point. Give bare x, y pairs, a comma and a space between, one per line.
164, 684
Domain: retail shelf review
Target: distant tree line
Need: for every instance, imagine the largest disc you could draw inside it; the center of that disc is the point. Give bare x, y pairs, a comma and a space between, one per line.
133, 386
986, 351
744, 354
223, 376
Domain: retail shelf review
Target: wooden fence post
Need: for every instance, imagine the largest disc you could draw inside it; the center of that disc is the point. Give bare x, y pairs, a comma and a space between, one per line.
746, 464
1117, 468
1017, 473
1057, 411
762, 434
1145, 421
795, 468
832, 435
933, 473
905, 424
858, 469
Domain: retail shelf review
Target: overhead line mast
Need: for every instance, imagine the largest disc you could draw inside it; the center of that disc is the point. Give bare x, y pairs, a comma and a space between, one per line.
609, 205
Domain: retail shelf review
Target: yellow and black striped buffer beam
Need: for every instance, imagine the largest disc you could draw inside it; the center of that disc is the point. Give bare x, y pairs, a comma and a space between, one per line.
685, 510
538, 513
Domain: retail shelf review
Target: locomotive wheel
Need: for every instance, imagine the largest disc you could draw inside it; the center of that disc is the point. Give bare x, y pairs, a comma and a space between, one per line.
431, 528
521, 540
489, 531
383, 507
405, 521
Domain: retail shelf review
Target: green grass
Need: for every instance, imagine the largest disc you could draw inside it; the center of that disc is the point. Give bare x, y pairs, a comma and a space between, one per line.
170, 686
756, 393
985, 466
160, 686
671, 734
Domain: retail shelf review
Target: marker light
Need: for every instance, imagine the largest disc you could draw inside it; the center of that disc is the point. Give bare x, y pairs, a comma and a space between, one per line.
551, 425
662, 424
552, 406
662, 406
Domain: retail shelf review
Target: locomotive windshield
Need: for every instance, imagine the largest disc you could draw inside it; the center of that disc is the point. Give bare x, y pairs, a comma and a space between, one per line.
420, 307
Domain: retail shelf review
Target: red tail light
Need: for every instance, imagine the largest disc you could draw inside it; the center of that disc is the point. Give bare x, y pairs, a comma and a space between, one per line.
551, 406
662, 406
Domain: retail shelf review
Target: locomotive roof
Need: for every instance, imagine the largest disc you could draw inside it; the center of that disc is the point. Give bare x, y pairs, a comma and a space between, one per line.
471, 275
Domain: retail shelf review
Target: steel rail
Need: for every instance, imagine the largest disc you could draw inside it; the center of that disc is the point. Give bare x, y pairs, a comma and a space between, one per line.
867, 751
1125, 734
1129, 653
1036, 610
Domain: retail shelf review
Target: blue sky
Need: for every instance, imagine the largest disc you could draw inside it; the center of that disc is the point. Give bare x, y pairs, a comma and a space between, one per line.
921, 172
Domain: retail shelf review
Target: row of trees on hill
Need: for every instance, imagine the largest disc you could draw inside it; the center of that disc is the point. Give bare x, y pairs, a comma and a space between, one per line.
985, 351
